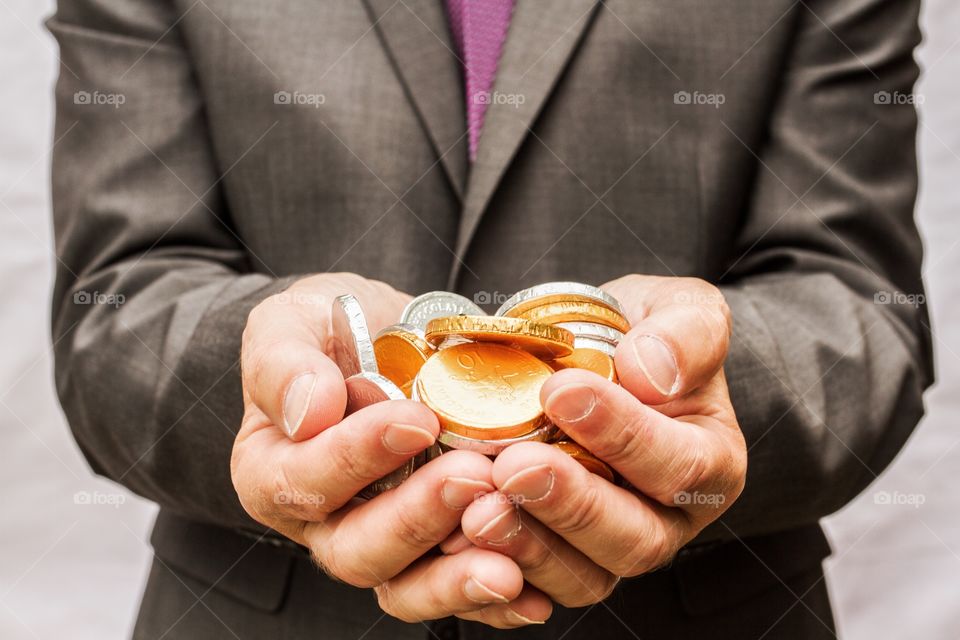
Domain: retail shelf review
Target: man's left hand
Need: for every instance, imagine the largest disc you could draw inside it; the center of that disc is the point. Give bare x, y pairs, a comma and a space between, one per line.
668, 430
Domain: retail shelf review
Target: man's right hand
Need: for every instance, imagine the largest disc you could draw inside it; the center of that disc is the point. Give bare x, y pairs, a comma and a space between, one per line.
298, 463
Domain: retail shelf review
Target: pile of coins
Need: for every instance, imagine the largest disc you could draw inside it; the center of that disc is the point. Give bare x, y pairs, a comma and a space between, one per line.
480, 374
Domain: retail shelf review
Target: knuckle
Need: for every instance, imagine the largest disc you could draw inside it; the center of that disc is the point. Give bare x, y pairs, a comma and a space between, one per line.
295, 497
255, 499
255, 358
697, 471
651, 551
344, 567
707, 296
258, 315
414, 528
732, 473
583, 512
394, 604
597, 590
351, 466
624, 445
537, 557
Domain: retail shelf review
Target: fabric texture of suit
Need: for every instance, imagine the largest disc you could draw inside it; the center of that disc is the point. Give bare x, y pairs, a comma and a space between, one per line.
760, 145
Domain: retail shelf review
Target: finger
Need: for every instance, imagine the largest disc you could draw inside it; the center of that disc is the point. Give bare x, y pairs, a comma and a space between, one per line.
622, 532
548, 562
286, 373
660, 456
304, 481
370, 543
530, 607
679, 337
436, 587
455, 543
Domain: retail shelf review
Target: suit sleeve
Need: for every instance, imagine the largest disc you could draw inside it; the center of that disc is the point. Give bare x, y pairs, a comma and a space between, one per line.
153, 284
831, 347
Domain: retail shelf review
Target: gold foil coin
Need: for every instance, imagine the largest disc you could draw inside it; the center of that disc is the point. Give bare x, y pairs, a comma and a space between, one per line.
484, 390
590, 462
591, 360
572, 311
542, 340
400, 353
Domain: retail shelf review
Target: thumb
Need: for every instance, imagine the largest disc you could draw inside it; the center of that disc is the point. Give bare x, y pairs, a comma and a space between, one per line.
286, 373
679, 337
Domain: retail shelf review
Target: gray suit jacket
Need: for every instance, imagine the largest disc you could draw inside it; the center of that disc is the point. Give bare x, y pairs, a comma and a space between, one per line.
209, 153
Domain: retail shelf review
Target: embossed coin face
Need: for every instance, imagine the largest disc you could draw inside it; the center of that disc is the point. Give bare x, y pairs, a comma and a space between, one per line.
350, 342
590, 359
437, 304
572, 311
549, 292
400, 353
450, 440
483, 390
589, 461
542, 340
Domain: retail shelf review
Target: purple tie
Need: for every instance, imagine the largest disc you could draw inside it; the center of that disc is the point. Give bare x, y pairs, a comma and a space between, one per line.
479, 28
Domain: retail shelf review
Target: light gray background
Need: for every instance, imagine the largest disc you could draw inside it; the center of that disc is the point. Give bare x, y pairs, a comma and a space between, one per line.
73, 551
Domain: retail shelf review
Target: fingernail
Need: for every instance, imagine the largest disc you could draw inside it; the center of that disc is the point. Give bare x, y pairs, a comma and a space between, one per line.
572, 402
657, 363
480, 593
406, 438
531, 484
296, 401
458, 493
515, 618
501, 528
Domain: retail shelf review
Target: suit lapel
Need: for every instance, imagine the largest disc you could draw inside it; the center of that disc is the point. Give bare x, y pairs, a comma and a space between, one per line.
539, 43
416, 36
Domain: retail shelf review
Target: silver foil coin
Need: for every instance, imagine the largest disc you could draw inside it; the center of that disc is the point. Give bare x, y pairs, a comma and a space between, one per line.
597, 345
541, 293
449, 440
402, 326
365, 389
352, 347
437, 304
594, 331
